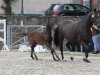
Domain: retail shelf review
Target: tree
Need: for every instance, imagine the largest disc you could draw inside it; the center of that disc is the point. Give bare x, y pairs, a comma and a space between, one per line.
7, 7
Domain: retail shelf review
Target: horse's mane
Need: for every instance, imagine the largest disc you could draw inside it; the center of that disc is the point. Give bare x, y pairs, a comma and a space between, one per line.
86, 20
49, 32
86, 16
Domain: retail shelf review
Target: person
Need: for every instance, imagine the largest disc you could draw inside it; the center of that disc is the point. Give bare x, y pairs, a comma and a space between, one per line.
96, 39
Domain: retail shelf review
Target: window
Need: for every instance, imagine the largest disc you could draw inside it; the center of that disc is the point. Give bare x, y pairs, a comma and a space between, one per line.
68, 7
80, 8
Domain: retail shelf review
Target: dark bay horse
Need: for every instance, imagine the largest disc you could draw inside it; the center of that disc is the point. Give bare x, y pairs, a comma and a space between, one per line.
76, 32
42, 38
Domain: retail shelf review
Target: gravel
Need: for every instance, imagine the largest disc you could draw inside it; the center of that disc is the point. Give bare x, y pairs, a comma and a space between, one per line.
20, 63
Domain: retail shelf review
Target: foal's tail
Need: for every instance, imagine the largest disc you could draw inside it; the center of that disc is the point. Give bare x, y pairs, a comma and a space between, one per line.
56, 37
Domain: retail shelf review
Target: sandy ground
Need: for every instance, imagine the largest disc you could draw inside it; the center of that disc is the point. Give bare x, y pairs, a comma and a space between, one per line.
20, 63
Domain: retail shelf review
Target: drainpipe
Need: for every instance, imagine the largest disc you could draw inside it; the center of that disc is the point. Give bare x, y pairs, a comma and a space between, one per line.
22, 13
22, 8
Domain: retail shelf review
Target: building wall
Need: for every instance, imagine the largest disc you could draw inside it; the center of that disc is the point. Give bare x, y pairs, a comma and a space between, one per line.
35, 6
86, 3
96, 4
77, 1
1, 3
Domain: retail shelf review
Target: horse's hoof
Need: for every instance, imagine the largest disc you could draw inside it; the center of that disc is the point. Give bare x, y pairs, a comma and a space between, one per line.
36, 58
86, 60
63, 58
55, 59
32, 57
59, 59
72, 58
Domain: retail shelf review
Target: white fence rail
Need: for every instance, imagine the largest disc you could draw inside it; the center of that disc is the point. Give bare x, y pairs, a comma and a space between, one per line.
15, 37
3, 36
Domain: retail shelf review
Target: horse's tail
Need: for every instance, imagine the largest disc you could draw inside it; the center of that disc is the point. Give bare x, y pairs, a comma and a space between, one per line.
50, 40
56, 37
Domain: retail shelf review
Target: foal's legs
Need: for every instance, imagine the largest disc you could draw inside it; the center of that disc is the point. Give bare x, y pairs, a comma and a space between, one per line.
53, 52
32, 51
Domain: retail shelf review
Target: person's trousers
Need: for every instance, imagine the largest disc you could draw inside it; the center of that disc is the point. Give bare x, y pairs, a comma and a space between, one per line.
96, 40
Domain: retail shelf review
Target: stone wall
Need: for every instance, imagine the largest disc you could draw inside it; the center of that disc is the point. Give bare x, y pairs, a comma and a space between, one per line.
42, 20
28, 20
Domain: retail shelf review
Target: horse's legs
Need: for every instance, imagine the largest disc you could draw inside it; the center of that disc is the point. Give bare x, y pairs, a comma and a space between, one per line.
53, 52
61, 47
32, 51
73, 46
68, 46
86, 52
78, 47
86, 56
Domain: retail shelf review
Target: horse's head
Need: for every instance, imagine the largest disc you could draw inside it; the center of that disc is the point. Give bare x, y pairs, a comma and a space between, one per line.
95, 16
92, 18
